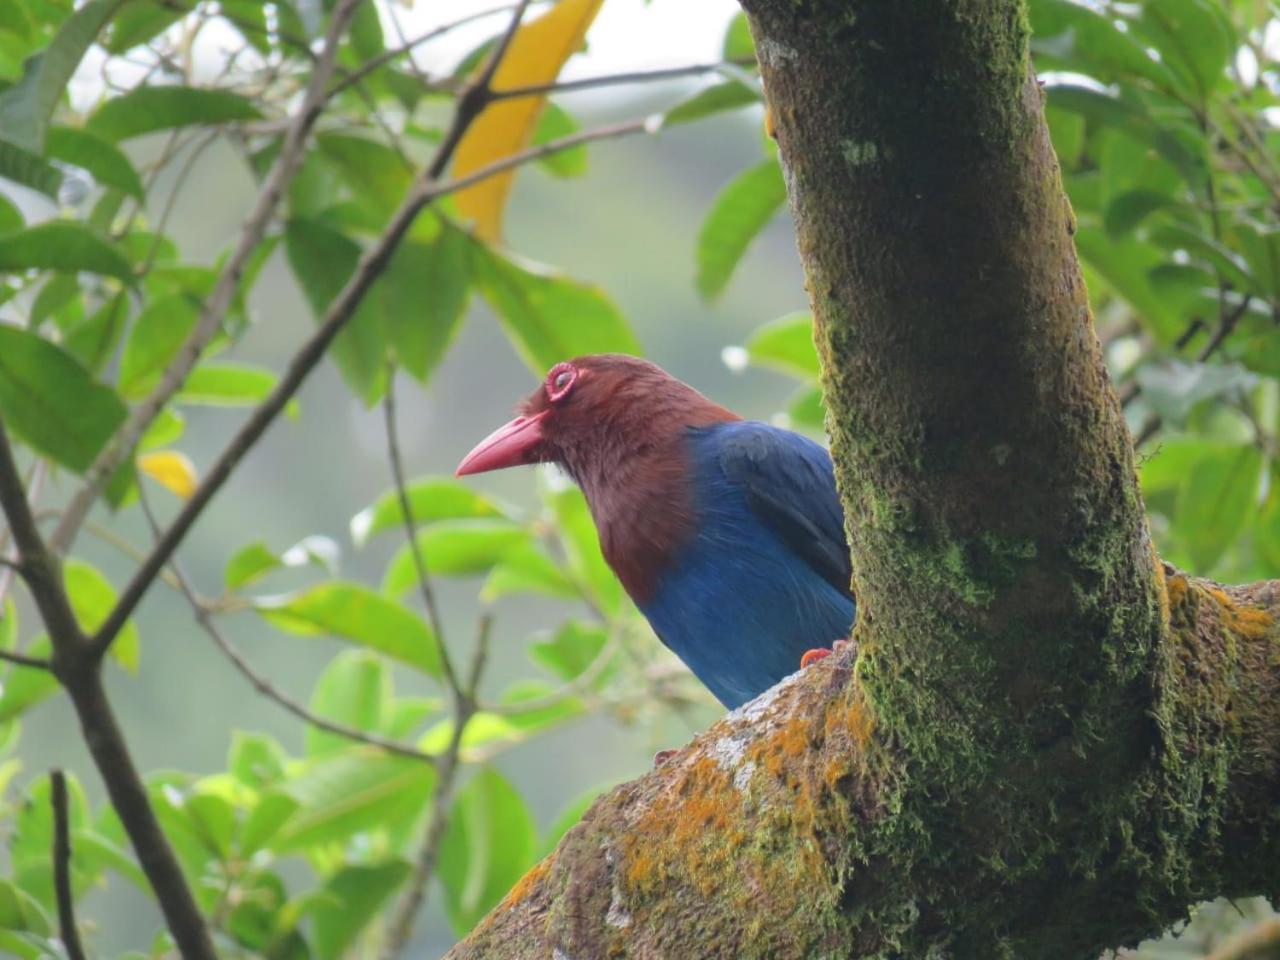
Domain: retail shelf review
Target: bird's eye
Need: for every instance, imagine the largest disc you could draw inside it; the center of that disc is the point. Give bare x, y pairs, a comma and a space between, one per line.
560, 381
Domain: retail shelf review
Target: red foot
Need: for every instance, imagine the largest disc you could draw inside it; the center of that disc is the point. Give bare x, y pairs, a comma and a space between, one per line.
821, 653
662, 756
813, 656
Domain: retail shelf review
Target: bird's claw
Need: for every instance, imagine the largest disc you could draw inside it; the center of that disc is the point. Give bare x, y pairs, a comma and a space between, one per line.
662, 756
821, 653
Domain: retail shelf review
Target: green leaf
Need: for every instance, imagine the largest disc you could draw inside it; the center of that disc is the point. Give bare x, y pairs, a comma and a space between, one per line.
454, 548
148, 109
141, 21
352, 691
256, 759
250, 564
1172, 388
1194, 38
487, 847
25, 108
93, 341
106, 162
571, 650
1125, 265
356, 613
786, 344
360, 789
577, 533
8, 624
526, 568
374, 173
230, 385
1071, 36
62, 245
92, 597
358, 892
22, 687
730, 95
50, 402
555, 123
430, 499
322, 259
1216, 501
1180, 144
1171, 462
1127, 211
738, 42
741, 210
29, 169
550, 317
157, 336
423, 298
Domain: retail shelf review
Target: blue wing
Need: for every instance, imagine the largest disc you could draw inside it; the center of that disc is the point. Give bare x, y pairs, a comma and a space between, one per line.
791, 486
766, 575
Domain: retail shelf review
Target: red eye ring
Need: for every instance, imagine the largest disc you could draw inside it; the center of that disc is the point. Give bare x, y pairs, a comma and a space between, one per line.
560, 381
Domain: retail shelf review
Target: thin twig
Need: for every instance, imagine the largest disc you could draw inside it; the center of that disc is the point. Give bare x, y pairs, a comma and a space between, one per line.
341, 309
204, 618
67, 929
382, 59
23, 660
411, 531
612, 80
288, 162
400, 930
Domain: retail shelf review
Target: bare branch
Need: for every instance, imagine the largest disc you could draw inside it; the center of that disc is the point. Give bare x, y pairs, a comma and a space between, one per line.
613, 80
23, 660
204, 618
40, 569
411, 532
415, 898
67, 929
215, 306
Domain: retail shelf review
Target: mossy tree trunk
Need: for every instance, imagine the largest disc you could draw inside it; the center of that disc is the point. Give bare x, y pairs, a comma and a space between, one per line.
1050, 742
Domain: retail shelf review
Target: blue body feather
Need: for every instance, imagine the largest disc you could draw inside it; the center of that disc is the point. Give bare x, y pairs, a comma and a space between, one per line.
765, 575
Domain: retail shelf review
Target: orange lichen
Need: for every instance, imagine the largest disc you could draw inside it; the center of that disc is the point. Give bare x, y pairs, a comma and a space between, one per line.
1176, 588
526, 884
1241, 619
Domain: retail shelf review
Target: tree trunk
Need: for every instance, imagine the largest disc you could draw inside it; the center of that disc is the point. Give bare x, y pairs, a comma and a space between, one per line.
1050, 743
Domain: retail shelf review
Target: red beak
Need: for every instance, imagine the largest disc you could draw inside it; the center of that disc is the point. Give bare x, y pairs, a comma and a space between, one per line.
511, 445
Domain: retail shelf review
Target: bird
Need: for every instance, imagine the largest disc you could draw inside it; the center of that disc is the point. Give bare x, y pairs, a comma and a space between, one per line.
727, 533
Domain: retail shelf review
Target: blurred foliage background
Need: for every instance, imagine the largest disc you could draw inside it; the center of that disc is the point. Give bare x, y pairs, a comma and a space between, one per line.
134, 137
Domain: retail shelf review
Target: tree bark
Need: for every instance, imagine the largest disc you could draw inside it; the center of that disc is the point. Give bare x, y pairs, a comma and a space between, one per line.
1050, 743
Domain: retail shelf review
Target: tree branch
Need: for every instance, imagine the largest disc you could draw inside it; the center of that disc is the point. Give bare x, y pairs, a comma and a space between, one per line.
411, 533
287, 164
78, 668
415, 898
68, 931
612, 80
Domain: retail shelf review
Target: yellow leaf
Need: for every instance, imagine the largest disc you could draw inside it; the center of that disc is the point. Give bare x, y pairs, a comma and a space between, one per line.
172, 469
537, 52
